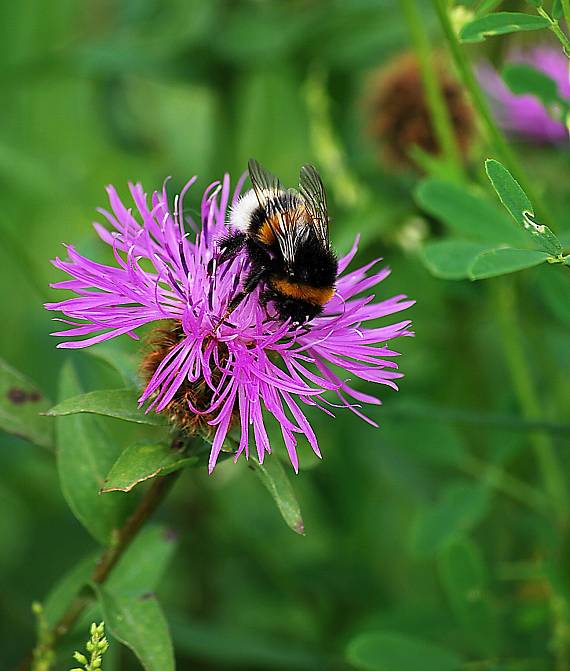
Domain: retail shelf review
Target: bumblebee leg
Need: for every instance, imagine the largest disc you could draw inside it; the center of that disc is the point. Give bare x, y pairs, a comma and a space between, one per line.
228, 247
231, 246
267, 296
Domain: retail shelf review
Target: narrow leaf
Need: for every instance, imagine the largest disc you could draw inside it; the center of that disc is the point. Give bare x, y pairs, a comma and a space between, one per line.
503, 261
523, 79
390, 651
501, 23
141, 568
21, 403
118, 403
142, 461
85, 453
138, 622
519, 206
460, 508
468, 213
451, 259
272, 474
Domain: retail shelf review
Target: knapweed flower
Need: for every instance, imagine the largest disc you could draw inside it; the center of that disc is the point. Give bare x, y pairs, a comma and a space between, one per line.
208, 371
398, 113
524, 115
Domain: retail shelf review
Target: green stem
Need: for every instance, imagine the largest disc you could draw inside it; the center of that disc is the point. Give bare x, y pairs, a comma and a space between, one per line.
566, 11
479, 102
503, 296
110, 556
497, 478
555, 27
438, 108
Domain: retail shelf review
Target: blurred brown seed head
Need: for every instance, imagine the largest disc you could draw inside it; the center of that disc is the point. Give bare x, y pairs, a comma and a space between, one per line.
398, 114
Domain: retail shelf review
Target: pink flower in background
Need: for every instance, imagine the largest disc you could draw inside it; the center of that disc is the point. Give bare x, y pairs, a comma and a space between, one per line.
524, 115
217, 375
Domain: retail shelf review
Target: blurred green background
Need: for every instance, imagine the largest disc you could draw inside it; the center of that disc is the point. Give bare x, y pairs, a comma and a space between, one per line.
413, 528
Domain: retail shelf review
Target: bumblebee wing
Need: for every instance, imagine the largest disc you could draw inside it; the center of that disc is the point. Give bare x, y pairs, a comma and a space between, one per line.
281, 207
266, 186
313, 194
292, 225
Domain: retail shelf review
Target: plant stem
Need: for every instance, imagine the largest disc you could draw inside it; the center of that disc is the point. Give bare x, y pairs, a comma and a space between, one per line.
111, 555
503, 296
555, 27
566, 11
500, 480
479, 102
438, 108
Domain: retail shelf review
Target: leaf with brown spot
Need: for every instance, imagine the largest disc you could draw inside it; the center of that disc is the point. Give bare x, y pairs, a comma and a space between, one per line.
21, 403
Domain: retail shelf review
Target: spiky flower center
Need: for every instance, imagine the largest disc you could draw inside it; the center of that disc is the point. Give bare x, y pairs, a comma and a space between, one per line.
190, 396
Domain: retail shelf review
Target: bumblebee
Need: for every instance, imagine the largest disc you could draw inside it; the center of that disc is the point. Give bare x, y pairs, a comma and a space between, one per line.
285, 235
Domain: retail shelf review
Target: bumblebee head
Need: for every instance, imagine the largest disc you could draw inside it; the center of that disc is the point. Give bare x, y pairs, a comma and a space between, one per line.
298, 311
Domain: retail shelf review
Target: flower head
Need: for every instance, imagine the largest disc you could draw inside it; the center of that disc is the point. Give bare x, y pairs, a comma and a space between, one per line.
399, 114
219, 373
524, 115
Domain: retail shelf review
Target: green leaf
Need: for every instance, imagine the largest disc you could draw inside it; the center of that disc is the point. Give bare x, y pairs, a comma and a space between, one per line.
460, 508
523, 79
20, 404
451, 259
501, 23
464, 579
519, 206
467, 212
141, 568
61, 595
118, 403
390, 651
84, 456
142, 461
502, 261
138, 623
272, 474
557, 11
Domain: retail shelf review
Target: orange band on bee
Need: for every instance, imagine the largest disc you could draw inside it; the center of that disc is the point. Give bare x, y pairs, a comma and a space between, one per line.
293, 217
314, 295
265, 235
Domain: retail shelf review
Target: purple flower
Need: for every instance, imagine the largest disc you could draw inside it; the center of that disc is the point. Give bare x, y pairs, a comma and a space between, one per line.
248, 364
524, 115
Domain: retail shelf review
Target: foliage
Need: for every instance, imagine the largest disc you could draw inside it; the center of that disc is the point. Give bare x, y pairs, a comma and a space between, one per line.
438, 541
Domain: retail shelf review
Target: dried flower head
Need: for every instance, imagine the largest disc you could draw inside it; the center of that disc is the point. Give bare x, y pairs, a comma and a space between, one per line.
209, 373
525, 116
398, 112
